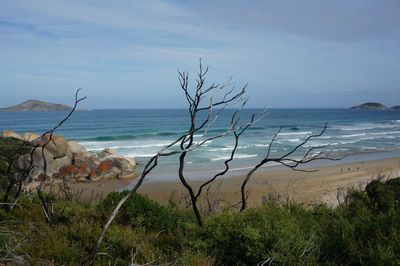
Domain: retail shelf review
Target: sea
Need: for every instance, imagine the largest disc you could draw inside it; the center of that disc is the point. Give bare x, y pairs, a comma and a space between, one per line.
141, 133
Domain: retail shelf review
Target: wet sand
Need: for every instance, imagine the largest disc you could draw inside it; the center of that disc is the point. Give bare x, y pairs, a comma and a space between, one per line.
305, 187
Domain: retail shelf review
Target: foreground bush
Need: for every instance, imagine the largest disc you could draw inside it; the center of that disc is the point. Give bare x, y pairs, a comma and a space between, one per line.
364, 230
138, 211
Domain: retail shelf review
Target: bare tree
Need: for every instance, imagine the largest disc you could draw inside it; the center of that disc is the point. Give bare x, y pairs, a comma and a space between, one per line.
195, 100
291, 159
209, 114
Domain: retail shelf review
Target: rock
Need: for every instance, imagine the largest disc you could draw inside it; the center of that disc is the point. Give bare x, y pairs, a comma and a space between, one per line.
29, 136
115, 167
395, 108
63, 161
81, 169
107, 152
68, 160
126, 165
11, 134
66, 173
39, 155
58, 146
75, 147
105, 170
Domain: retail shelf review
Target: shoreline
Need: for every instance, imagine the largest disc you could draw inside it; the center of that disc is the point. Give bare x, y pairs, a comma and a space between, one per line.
302, 187
236, 171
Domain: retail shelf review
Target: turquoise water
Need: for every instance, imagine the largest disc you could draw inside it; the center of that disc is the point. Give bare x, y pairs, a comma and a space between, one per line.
141, 133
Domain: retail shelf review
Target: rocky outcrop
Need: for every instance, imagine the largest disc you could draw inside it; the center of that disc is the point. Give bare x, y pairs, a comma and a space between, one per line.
29, 136
11, 134
395, 108
57, 145
68, 160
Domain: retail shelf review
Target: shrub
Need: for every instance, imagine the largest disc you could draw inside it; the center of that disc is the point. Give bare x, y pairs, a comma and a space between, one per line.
10, 150
269, 232
138, 211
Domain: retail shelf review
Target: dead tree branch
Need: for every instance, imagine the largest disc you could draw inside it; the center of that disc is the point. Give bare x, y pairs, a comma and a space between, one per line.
288, 160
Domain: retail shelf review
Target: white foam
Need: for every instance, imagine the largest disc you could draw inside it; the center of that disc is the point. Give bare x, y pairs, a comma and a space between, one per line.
369, 148
325, 137
135, 155
385, 133
352, 135
293, 140
237, 156
365, 126
220, 149
262, 145
294, 133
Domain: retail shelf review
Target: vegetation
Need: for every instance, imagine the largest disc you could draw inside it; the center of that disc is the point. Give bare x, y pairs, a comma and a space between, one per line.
363, 229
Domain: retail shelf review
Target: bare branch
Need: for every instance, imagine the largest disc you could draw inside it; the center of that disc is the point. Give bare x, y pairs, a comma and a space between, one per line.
289, 162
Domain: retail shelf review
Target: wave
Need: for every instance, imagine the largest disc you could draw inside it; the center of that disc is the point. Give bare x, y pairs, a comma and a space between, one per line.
369, 148
325, 137
352, 135
340, 150
365, 126
261, 145
237, 156
220, 149
139, 155
294, 133
293, 140
269, 164
132, 136
385, 133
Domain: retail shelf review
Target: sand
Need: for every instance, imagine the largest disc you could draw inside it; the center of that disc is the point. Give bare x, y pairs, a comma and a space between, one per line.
304, 187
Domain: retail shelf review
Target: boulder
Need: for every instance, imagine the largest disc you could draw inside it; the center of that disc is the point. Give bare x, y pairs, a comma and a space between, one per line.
63, 161
29, 136
126, 165
75, 147
58, 146
81, 169
107, 152
11, 134
39, 155
68, 160
115, 167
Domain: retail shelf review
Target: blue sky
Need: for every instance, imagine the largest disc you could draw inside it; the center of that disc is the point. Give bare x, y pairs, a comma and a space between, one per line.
125, 54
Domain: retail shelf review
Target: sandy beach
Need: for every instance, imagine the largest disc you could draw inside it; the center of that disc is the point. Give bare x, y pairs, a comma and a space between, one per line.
305, 187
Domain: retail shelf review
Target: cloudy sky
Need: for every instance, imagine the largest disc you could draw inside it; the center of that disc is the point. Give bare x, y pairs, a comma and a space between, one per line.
125, 54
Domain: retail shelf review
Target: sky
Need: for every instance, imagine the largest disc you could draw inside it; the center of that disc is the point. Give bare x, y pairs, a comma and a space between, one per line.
126, 54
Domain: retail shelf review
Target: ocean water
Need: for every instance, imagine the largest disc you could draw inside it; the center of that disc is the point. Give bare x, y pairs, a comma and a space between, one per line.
141, 133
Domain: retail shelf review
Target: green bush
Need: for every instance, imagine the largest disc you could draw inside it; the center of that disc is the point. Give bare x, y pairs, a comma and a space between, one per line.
268, 232
138, 211
10, 150
365, 229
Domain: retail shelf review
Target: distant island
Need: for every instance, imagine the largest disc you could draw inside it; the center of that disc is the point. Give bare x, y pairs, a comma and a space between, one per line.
375, 106
370, 106
36, 105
